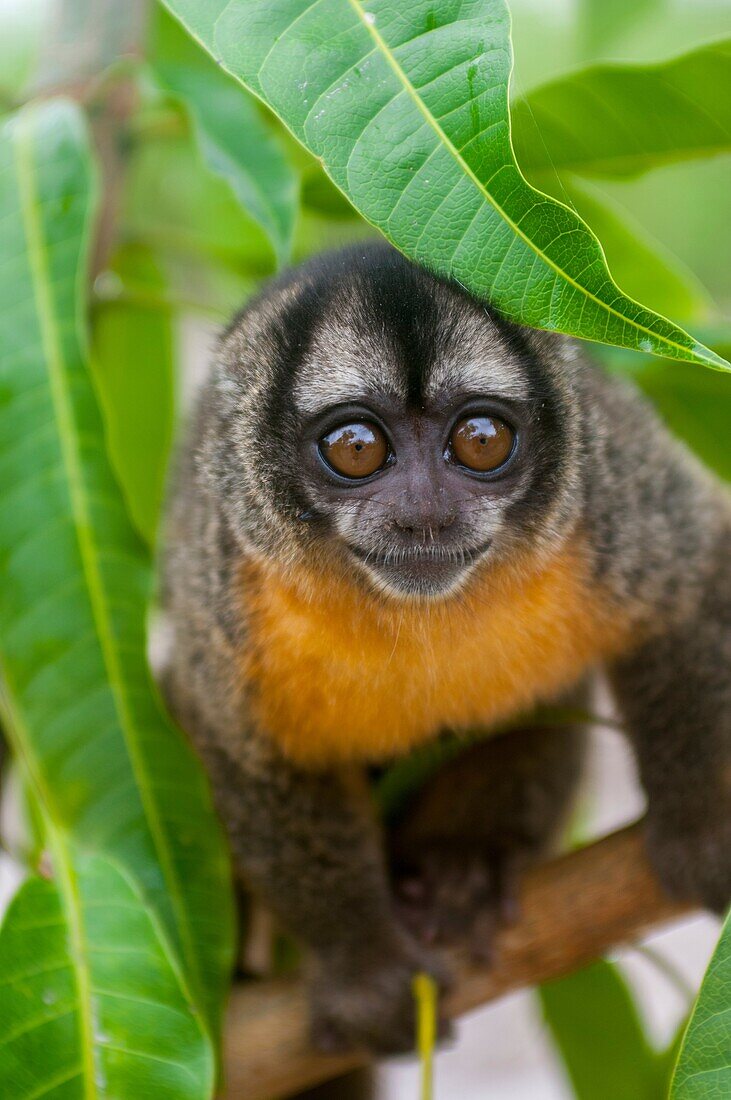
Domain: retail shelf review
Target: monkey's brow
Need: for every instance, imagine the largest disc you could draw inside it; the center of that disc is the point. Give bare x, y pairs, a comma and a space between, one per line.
497, 376
322, 390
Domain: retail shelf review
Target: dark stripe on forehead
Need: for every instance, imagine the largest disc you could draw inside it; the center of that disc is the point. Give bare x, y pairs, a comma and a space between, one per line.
398, 297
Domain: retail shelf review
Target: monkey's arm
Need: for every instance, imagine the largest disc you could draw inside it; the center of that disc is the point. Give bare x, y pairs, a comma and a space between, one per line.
675, 694
468, 835
661, 530
308, 845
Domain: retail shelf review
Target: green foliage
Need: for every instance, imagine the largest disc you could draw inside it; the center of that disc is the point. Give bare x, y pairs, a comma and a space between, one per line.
73, 1021
377, 116
641, 264
234, 139
597, 1028
101, 759
600, 23
418, 99
703, 1071
133, 355
627, 119
207, 246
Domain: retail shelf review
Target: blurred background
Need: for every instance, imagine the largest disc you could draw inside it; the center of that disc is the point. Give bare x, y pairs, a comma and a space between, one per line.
185, 254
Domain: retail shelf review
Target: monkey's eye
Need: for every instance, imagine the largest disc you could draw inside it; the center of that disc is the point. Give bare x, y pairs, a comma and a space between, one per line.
481, 443
355, 450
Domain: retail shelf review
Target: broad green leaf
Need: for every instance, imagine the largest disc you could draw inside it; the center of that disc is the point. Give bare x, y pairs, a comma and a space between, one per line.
74, 576
92, 1006
234, 139
703, 1071
596, 1026
132, 365
639, 262
407, 106
620, 120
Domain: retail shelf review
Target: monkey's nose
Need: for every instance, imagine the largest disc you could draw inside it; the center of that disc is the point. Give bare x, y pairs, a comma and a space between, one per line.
423, 522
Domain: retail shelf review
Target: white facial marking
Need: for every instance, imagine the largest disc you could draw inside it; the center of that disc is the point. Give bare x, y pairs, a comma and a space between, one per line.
476, 360
496, 376
347, 362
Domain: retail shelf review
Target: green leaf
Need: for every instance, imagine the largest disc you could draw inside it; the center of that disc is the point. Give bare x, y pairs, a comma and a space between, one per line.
407, 106
620, 120
74, 576
703, 1071
639, 262
235, 141
595, 1024
133, 370
92, 1005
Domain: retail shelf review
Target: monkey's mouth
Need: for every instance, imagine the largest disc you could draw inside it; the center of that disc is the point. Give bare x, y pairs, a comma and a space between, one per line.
420, 570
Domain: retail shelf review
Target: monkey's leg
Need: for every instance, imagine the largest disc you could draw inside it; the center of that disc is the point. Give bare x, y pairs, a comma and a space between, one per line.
307, 844
471, 831
675, 694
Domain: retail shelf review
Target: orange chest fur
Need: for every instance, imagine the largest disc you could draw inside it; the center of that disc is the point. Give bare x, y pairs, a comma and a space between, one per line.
334, 676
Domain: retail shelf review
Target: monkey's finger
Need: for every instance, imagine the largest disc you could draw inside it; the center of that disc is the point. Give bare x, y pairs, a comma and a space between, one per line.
482, 936
464, 890
327, 1037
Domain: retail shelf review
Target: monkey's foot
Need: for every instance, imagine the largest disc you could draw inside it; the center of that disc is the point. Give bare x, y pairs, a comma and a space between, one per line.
365, 1000
451, 893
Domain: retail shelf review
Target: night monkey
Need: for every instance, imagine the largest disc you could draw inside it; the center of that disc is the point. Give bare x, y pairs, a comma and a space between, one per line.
397, 515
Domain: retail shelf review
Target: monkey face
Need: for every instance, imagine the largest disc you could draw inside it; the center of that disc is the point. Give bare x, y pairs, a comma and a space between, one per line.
404, 429
415, 496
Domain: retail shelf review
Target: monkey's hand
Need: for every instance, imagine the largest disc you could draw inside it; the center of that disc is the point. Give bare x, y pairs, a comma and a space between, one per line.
458, 854
693, 862
458, 892
365, 1000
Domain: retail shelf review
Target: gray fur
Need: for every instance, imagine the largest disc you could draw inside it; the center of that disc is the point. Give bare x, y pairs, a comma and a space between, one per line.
599, 461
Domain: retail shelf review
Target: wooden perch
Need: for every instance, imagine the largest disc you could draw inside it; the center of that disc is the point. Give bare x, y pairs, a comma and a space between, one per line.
573, 910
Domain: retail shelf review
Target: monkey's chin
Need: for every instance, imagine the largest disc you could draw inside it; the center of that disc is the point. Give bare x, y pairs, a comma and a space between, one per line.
419, 577
401, 586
